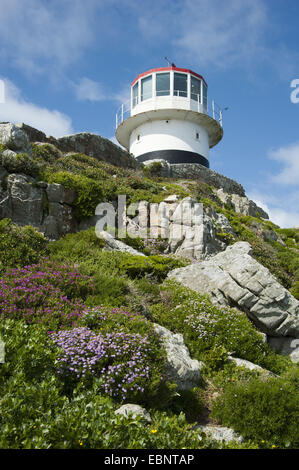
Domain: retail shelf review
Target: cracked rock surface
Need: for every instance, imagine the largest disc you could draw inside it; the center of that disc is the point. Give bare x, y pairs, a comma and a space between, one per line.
236, 279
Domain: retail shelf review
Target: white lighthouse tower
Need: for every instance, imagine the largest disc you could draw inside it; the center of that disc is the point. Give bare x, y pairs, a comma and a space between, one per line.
169, 118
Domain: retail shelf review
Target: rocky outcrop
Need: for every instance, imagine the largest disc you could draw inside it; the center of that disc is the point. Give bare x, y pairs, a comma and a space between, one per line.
117, 245
131, 411
197, 172
236, 279
85, 142
241, 204
180, 368
200, 173
191, 230
14, 138
97, 147
250, 366
48, 207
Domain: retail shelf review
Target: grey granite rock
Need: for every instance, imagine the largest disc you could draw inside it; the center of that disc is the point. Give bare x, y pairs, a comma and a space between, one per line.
250, 366
117, 245
131, 410
286, 346
14, 138
220, 433
236, 279
241, 204
206, 175
25, 200
183, 370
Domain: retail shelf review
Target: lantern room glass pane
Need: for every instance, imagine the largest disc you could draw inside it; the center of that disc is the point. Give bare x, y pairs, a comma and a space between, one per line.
146, 88
135, 95
180, 84
195, 89
163, 84
205, 97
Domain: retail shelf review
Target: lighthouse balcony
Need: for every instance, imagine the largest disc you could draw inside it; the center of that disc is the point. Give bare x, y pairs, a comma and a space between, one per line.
177, 101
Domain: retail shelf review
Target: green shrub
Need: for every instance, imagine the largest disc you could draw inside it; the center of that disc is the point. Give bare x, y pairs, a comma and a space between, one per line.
35, 414
45, 153
88, 421
20, 163
207, 327
153, 169
20, 246
261, 410
90, 192
152, 266
137, 243
77, 247
295, 290
2, 148
203, 191
109, 290
28, 352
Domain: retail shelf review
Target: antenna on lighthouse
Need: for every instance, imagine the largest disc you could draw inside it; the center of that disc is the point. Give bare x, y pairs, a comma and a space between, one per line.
170, 64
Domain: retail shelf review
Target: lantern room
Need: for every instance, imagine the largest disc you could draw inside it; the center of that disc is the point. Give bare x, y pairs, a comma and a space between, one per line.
169, 117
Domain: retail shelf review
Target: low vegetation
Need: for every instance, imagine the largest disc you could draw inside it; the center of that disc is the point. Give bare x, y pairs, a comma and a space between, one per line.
77, 323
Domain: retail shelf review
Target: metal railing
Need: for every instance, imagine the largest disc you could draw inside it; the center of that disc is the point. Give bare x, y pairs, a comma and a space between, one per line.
214, 111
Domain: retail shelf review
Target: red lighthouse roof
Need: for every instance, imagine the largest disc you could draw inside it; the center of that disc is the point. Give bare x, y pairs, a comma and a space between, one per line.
164, 69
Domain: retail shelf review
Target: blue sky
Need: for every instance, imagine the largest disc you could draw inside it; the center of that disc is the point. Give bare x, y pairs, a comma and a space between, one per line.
67, 65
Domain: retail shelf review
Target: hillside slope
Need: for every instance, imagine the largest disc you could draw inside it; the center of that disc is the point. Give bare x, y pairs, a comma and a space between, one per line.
77, 309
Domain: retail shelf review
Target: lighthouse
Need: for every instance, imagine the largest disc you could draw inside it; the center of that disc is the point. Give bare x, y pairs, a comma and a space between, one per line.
169, 117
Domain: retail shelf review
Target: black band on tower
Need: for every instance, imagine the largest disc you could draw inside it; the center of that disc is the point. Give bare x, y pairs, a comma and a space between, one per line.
174, 156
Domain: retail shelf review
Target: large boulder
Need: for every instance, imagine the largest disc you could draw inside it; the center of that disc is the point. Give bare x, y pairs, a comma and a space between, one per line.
84, 142
191, 230
236, 279
14, 138
23, 201
48, 207
131, 411
98, 147
180, 368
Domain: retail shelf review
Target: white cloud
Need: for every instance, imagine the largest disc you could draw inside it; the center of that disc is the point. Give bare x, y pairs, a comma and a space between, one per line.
35, 33
279, 195
289, 157
208, 31
218, 33
281, 210
89, 90
17, 109
221, 32
124, 95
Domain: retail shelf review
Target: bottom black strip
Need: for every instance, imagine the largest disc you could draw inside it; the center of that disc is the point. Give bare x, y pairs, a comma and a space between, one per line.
175, 156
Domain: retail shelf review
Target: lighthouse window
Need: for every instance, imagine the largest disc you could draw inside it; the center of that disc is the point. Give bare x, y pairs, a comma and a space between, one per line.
205, 97
163, 84
180, 84
146, 88
135, 95
195, 89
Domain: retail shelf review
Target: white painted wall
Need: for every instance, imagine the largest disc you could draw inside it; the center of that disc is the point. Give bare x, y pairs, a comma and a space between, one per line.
173, 134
